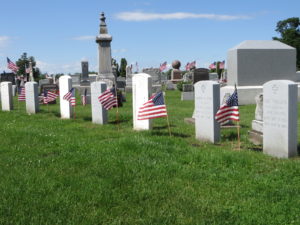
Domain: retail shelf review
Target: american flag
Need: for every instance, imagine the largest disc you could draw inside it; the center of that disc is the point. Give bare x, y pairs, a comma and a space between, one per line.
84, 100
22, 96
192, 64
49, 96
153, 108
70, 96
222, 65
108, 99
187, 66
28, 70
212, 66
10, 65
230, 110
163, 66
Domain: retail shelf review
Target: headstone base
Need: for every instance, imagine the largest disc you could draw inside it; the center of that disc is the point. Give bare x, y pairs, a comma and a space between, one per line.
255, 137
187, 96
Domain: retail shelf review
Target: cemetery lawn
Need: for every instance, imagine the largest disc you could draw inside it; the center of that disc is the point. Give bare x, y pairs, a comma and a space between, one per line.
55, 171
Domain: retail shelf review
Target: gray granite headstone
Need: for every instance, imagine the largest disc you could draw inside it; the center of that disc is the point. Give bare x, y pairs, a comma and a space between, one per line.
32, 101
6, 96
155, 74
200, 74
85, 74
207, 103
280, 116
99, 114
14, 90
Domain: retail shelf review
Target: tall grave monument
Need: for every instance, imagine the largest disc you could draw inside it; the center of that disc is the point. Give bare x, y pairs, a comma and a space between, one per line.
104, 50
85, 74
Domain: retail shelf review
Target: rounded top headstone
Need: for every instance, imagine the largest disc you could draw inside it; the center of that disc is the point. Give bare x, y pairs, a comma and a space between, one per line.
176, 64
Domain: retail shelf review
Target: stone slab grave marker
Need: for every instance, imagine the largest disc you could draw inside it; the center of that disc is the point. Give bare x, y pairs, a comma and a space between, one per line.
32, 101
6, 96
207, 103
280, 118
65, 84
99, 114
141, 92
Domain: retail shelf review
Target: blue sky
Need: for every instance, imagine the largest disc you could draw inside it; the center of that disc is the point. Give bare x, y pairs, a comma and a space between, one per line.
61, 33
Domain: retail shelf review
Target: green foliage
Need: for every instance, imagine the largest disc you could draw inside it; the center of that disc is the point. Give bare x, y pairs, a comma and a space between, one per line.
23, 63
180, 84
123, 65
289, 30
56, 171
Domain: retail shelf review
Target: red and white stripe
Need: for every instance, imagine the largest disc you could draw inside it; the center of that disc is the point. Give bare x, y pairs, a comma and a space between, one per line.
22, 96
108, 100
227, 113
151, 111
73, 101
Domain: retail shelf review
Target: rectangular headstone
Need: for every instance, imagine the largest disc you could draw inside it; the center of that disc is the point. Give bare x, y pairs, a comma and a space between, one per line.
99, 114
141, 92
65, 84
31, 93
207, 103
6, 96
280, 118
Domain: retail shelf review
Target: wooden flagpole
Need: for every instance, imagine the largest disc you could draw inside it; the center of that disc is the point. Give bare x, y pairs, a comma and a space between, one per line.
169, 128
117, 112
238, 132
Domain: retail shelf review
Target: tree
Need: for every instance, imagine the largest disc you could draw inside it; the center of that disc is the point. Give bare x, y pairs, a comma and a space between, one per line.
289, 30
123, 65
23, 63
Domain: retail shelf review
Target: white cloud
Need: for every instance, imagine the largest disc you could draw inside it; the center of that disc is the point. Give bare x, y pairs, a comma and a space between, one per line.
122, 50
84, 38
4, 41
141, 16
51, 68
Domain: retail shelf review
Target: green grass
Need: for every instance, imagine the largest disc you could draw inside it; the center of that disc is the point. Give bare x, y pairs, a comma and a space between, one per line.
55, 171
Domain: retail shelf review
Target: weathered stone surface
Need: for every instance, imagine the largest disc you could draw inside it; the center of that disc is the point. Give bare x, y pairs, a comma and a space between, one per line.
155, 74
280, 118
259, 107
99, 114
6, 96
65, 84
141, 92
187, 96
207, 103
32, 101
252, 63
104, 50
200, 74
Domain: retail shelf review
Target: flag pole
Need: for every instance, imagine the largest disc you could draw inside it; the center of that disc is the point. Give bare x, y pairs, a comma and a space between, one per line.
238, 132
168, 122
74, 114
117, 112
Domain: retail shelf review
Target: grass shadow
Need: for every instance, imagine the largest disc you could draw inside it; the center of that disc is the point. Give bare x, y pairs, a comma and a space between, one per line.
162, 127
174, 134
119, 121
232, 136
87, 118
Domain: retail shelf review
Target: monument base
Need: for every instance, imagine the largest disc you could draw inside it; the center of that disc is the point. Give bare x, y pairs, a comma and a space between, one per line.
247, 94
255, 137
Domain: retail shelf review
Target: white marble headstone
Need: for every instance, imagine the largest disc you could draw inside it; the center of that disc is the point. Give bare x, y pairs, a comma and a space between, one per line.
6, 96
280, 118
31, 93
141, 92
207, 103
65, 84
99, 114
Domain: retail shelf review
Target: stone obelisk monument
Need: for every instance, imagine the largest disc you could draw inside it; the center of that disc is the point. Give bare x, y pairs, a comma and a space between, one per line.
105, 69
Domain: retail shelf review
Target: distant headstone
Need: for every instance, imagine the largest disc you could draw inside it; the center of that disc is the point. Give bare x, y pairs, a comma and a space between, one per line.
65, 85
6, 96
176, 73
200, 74
207, 103
155, 74
32, 101
99, 114
280, 118
141, 92
84, 81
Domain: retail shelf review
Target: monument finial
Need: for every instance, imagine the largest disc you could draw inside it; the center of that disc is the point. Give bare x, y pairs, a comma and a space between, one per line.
103, 28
